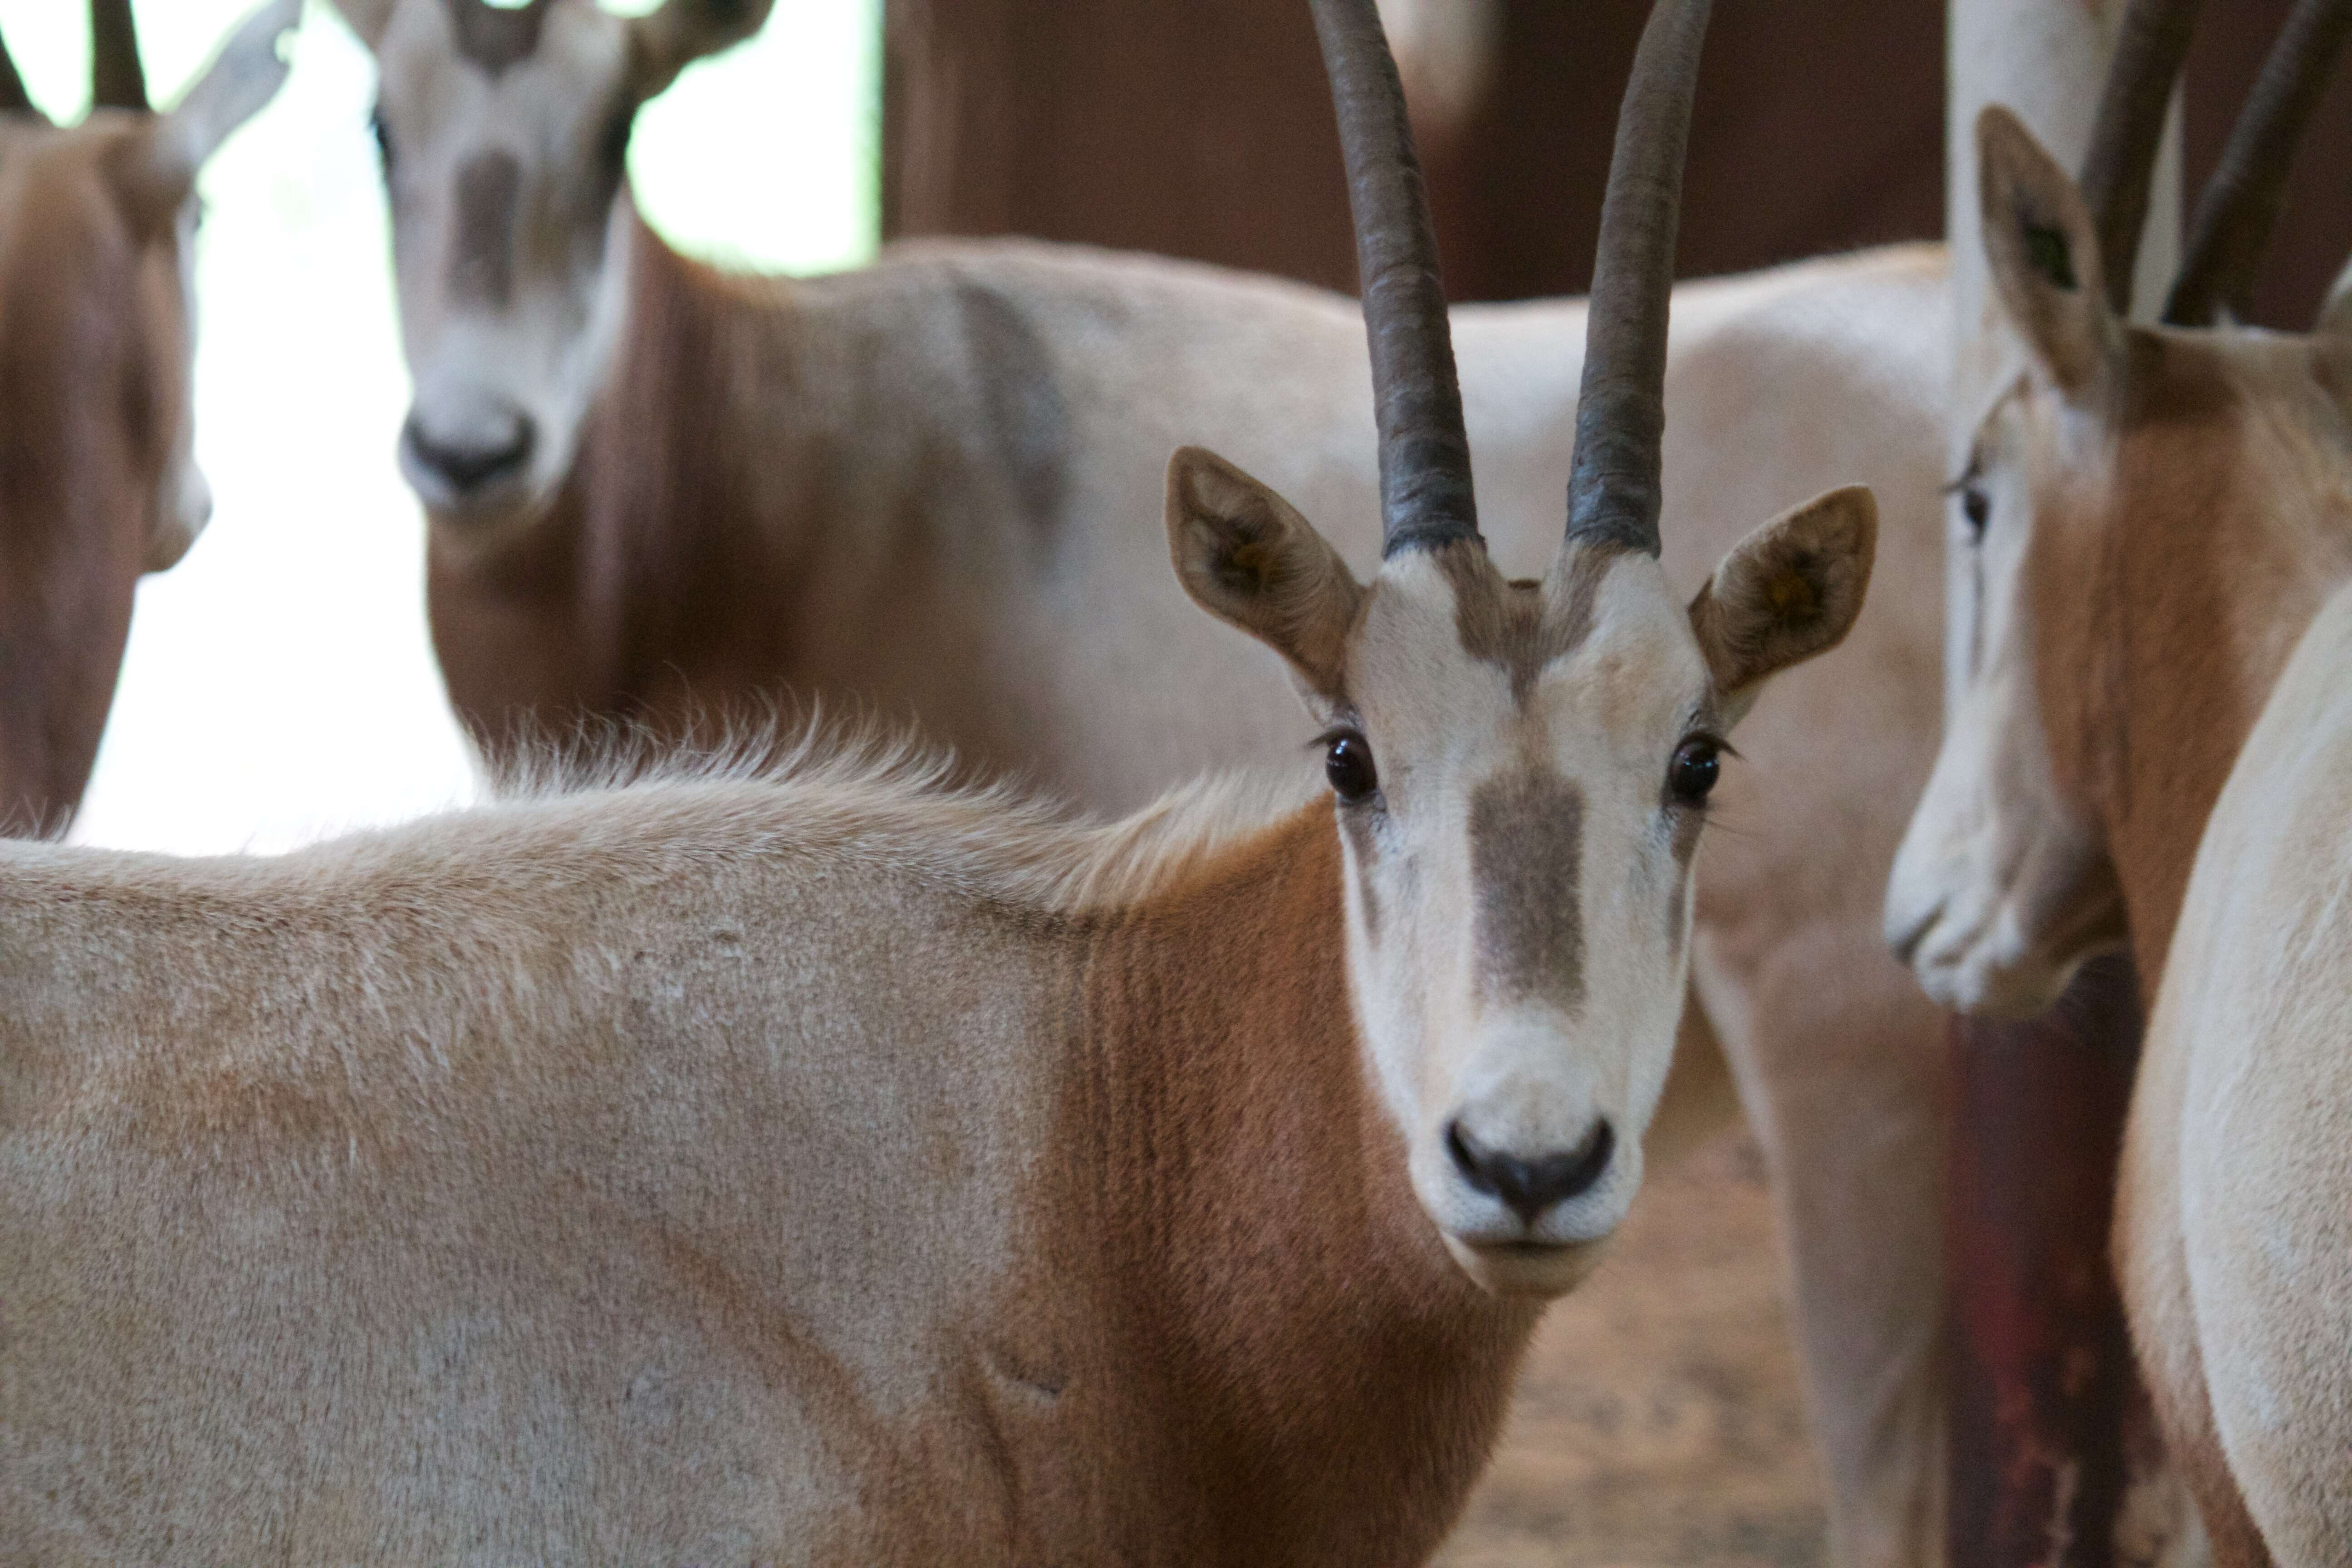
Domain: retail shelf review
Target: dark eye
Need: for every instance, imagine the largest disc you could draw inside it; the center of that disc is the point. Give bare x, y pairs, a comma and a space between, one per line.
1697, 763
1976, 507
1347, 763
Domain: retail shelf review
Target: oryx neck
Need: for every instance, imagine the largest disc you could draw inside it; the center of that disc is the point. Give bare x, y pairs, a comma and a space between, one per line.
2227, 526
1242, 1192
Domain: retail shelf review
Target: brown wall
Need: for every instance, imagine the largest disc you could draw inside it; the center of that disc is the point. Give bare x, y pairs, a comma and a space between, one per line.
1192, 127
1200, 128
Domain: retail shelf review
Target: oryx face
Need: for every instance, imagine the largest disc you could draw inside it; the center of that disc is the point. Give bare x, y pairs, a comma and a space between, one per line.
1520, 774
1519, 770
2004, 885
2004, 882
2133, 530
2124, 580
1517, 884
505, 136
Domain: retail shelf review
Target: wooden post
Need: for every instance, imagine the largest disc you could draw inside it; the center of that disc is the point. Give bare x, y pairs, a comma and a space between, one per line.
2040, 1374
2042, 1371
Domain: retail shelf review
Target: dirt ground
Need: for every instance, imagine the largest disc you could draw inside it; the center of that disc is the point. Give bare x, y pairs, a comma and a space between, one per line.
1658, 1422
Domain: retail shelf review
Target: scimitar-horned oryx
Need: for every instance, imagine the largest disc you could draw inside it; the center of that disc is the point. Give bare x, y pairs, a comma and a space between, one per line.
832, 1166
932, 486
97, 475
2154, 517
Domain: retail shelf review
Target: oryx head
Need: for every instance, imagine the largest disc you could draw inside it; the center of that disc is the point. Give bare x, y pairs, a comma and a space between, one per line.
505, 135
98, 480
1519, 770
2119, 483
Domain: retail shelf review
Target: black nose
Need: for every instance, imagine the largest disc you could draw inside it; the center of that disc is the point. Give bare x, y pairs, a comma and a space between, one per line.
1531, 1186
467, 463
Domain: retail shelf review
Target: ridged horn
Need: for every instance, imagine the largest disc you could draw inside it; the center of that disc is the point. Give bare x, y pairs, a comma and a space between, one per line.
2239, 206
1620, 412
1426, 493
117, 80
14, 98
2121, 164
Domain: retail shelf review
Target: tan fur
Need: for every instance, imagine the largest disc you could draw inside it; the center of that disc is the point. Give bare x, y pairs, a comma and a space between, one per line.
2248, 1208
610, 1258
2044, 253
1247, 556
1798, 592
832, 1167
930, 486
2166, 516
965, 620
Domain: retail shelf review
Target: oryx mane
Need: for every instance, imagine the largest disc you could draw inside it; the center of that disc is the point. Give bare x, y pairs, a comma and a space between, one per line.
863, 789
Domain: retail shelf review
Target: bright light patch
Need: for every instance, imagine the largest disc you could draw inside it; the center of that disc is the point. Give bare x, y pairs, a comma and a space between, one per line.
767, 157
280, 683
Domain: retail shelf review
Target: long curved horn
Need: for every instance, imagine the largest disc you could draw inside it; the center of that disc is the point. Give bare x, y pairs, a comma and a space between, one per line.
117, 80
1620, 412
2121, 164
14, 98
2240, 203
1425, 495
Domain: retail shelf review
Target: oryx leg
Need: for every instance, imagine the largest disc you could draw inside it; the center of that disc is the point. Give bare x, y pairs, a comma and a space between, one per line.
1701, 1100
1839, 1060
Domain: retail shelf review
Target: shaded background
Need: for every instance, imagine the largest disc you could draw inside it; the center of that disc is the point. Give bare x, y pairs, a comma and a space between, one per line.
280, 684
1198, 128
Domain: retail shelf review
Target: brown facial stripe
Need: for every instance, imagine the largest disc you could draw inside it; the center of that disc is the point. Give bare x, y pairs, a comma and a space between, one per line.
1527, 855
1517, 625
494, 39
481, 268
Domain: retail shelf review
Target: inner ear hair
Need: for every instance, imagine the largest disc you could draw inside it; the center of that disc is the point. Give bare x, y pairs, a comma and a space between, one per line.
2046, 249
1788, 591
1247, 557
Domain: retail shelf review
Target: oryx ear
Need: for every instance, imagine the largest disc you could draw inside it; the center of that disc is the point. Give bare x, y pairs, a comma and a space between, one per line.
2044, 254
157, 170
368, 18
682, 32
1247, 557
2335, 311
1787, 592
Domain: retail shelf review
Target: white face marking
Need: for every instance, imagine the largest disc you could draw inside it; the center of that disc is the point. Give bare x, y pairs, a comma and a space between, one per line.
510, 217
2002, 888
1498, 1025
